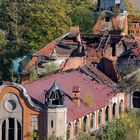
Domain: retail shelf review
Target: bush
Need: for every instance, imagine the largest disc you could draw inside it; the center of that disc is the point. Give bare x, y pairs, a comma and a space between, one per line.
125, 128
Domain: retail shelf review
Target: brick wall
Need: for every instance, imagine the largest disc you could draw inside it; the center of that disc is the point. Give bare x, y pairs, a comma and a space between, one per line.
27, 111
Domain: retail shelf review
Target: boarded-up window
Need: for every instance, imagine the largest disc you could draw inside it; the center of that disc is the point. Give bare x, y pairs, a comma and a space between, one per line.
34, 122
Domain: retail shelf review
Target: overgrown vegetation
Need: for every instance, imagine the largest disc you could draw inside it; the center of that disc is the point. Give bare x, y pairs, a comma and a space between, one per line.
34, 135
130, 82
125, 128
36, 73
87, 100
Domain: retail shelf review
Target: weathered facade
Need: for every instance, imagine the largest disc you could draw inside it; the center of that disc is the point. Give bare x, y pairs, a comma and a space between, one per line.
82, 99
111, 15
135, 28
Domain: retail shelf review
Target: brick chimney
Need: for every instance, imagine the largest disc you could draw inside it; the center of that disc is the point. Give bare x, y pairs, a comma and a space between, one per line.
76, 95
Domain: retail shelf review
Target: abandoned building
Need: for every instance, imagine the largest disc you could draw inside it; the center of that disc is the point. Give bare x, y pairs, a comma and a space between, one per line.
111, 15
62, 105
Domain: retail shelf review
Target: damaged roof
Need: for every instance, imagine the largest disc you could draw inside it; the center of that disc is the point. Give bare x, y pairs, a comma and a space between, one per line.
97, 91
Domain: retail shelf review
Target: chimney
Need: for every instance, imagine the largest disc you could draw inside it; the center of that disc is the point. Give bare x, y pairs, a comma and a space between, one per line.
76, 95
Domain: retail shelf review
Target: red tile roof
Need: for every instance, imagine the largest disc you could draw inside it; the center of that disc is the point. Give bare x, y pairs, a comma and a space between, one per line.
98, 92
46, 50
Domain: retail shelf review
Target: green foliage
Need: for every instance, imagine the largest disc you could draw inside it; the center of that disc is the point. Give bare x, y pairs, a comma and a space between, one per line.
3, 40
83, 18
87, 100
46, 20
50, 69
33, 75
54, 138
26, 26
132, 13
34, 135
13, 44
130, 81
116, 9
82, 14
125, 128
85, 136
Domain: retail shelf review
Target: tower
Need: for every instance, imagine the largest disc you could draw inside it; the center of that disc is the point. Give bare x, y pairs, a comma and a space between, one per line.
56, 112
111, 15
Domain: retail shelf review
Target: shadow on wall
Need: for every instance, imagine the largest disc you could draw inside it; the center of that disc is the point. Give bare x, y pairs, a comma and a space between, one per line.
107, 67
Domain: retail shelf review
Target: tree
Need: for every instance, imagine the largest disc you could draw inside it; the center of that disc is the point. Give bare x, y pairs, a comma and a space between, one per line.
125, 128
14, 44
82, 14
46, 21
132, 13
27, 26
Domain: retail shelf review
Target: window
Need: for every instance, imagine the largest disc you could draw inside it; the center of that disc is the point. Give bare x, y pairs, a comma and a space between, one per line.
51, 124
4, 130
114, 111
76, 131
85, 124
107, 19
34, 122
92, 121
100, 117
19, 131
136, 99
107, 114
121, 107
14, 126
69, 131
11, 129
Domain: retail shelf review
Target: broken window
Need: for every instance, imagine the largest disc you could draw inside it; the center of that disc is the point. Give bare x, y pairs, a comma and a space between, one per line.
107, 114
114, 111
85, 124
92, 121
34, 122
136, 99
121, 107
107, 19
100, 117
76, 128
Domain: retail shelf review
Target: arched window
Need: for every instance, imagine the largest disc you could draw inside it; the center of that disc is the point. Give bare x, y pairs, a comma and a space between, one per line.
69, 131
121, 107
114, 110
85, 124
76, 128
13, 127
107, 114
136, 99
4, 130
92, 120
100, 117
